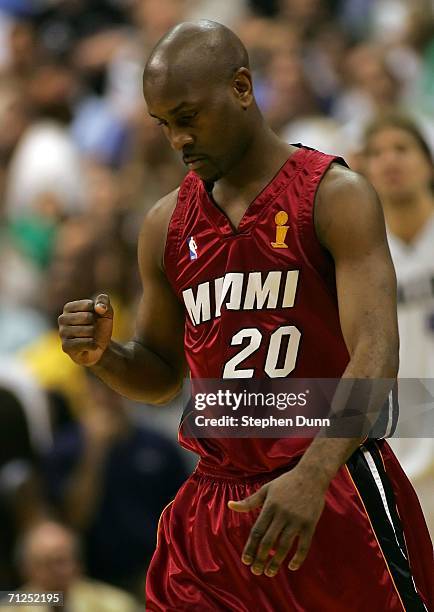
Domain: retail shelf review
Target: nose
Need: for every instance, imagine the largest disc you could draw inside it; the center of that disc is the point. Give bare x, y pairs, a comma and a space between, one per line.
390, 157
179, 139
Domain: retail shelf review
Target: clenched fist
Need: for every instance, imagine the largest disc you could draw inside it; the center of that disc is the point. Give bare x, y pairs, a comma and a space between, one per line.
85, 328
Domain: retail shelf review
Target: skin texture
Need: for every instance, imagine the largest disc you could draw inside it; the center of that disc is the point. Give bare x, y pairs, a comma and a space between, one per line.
221, 120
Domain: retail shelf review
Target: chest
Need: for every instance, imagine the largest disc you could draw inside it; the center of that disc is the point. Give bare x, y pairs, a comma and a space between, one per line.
271, 233
235, 205
212, 247
232, 209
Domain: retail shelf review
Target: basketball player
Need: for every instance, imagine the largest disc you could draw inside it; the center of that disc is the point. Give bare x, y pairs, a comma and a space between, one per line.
215, 257
400, 166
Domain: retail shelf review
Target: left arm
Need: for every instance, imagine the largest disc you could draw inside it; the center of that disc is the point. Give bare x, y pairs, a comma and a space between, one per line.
349, 223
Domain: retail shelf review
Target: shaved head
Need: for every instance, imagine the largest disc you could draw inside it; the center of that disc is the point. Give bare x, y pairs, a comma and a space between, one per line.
197, 84
197, 49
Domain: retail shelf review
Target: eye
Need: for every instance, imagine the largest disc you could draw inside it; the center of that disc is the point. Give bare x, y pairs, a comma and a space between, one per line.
371, 152
161, 122
186, 119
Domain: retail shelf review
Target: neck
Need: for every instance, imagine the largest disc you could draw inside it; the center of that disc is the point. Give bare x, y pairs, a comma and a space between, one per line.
264, 155
407, 217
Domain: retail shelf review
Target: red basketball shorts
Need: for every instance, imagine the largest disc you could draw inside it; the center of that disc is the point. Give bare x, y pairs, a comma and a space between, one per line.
371, 551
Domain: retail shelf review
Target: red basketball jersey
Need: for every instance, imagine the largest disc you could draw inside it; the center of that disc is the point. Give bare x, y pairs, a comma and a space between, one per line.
259, 301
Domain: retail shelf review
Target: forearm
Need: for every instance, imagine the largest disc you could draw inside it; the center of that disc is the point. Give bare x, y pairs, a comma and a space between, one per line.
137, 373
369, 363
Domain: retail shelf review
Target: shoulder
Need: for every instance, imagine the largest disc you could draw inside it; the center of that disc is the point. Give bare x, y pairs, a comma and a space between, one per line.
340, 182
160, 214
153, 233
345, 203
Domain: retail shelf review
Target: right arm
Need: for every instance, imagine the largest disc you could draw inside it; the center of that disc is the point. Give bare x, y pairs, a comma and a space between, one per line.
152, 366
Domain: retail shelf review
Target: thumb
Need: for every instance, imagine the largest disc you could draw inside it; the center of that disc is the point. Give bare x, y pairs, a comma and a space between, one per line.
103, 307
249, 503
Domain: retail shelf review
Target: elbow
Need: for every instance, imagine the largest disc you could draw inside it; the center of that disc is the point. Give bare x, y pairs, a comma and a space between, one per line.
167, 397
167, 394
158, 395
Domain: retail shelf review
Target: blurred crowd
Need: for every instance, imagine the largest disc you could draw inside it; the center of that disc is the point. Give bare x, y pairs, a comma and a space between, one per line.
84, 475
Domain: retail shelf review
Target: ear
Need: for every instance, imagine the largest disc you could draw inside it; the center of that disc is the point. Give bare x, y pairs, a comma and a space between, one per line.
242, 87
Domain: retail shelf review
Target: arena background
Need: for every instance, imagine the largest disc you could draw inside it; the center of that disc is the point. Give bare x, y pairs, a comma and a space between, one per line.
80, 164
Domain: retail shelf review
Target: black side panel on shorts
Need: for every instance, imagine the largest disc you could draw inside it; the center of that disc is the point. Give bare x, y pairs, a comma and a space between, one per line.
367, 470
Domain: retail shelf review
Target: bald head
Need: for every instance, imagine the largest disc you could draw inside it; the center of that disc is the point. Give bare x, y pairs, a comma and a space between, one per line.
202, 49
197, 85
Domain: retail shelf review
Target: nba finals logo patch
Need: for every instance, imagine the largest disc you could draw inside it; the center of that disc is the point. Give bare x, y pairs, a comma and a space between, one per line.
281, 230
192, 247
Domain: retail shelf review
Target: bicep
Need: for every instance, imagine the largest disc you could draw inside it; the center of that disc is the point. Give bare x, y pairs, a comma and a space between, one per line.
351, 227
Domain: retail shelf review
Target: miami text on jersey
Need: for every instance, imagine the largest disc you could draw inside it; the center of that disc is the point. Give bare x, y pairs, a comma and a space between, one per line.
241, 291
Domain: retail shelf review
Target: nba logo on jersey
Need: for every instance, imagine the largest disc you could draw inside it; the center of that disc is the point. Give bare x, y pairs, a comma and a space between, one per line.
192, 247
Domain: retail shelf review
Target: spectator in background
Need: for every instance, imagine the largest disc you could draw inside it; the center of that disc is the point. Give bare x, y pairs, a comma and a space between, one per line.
43, 184
110, 478
15, 378
14, 118
24, 435
49, 560
23, 49
292, 97
88, 254
371, 87
306, 15
46, 160
20, 275
399, 164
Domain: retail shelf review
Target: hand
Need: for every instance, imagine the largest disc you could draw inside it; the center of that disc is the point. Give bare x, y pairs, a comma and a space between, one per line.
85, 328
291, 507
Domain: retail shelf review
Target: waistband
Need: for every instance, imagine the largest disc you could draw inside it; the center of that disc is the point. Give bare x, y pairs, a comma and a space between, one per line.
230, 474
218, 474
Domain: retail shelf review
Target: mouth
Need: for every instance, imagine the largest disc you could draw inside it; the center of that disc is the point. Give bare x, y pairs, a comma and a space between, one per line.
193, 163
393, 175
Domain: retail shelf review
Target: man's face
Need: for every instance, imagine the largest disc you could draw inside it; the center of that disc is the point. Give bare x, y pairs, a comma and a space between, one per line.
396, 164
205, 123
51, 564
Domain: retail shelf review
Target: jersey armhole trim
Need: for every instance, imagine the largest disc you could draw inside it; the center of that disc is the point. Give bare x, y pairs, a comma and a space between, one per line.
174, 229
317, 256
166, 241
